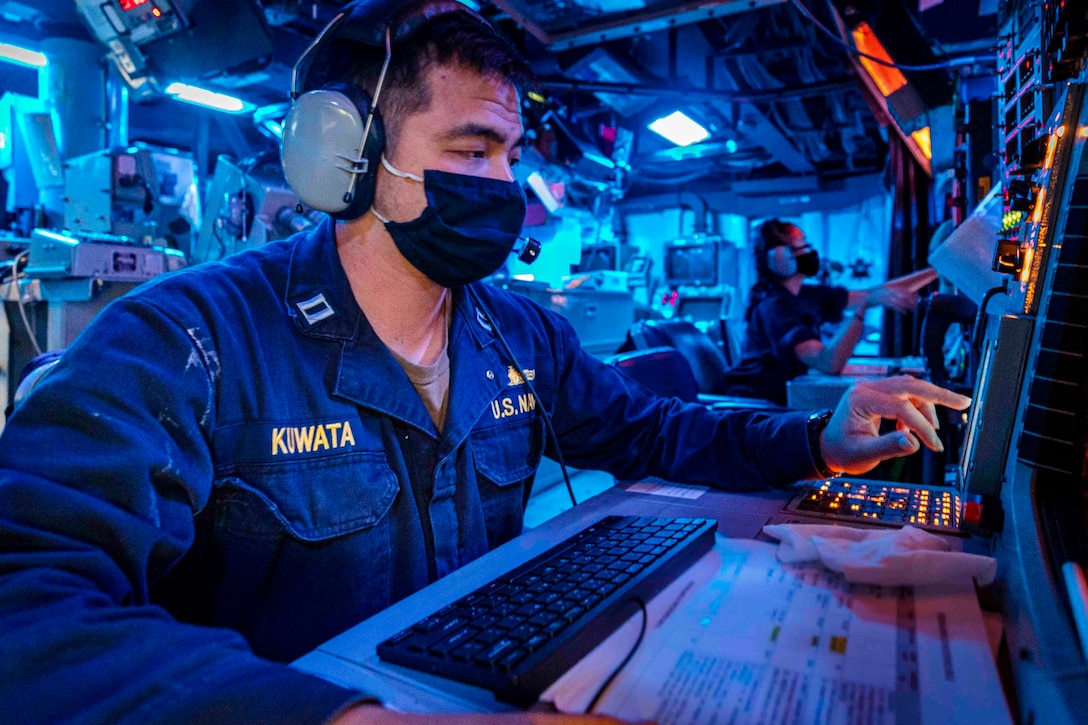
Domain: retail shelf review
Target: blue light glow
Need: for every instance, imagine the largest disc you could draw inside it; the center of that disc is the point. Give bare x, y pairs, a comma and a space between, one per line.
679, 129
22, 56
208, 99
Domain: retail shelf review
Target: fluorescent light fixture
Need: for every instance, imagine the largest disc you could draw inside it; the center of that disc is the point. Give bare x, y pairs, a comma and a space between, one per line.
22, 56
208, 99
543, 192
679, 129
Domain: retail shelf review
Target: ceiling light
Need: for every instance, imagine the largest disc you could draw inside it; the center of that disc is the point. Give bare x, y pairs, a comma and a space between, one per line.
208, 99
21, 56
679, 129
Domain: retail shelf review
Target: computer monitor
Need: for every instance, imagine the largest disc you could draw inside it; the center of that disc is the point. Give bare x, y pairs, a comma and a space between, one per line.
691, 263
989, 424
700, 308
596, 257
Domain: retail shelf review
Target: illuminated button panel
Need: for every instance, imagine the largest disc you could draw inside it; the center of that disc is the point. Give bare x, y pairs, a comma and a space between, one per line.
876, 502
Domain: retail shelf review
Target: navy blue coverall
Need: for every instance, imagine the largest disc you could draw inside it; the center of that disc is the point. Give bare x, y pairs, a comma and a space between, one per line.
228, 467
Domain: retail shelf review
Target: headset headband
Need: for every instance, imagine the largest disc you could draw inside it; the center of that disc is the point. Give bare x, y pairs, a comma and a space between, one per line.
376, 23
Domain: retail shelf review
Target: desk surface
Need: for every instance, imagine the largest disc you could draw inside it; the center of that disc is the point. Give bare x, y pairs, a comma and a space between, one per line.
350, 658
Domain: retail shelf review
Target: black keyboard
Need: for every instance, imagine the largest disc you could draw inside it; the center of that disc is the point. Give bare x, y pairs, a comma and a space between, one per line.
518, 633
936, 508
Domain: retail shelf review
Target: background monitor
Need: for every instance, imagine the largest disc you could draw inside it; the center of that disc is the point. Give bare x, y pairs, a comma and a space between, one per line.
596, 257
701, 308
691, 263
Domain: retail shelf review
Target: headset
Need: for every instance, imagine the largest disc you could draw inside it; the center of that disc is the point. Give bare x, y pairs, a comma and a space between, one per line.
775, 253
333, 136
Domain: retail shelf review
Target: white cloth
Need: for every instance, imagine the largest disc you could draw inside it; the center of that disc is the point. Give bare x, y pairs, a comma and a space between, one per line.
890, 557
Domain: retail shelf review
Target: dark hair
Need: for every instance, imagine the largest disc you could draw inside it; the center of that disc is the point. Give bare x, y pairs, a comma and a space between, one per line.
448, 39
772, 233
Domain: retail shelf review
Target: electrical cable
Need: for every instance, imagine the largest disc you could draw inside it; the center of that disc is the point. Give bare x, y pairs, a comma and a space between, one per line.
19, 299
532, 391
631, 653
944, 65
980, 328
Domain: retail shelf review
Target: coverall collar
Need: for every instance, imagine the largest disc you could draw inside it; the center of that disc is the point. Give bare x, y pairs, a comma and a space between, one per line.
320, 300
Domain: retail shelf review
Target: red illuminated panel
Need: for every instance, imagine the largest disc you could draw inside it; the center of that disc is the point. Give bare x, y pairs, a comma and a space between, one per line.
127, 5
887, 78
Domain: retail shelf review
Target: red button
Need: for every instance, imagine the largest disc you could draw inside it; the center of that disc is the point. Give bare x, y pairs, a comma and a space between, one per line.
972, 512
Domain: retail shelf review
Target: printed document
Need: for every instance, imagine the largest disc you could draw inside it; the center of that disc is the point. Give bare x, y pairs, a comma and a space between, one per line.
742, 638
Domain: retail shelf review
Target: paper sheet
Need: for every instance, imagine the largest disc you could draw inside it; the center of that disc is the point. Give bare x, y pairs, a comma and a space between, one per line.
668, 489
742, 638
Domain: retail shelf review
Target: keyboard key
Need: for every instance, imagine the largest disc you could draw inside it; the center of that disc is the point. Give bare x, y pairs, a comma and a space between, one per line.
490, 635
510, 622
446, 646
498, 649
467, 651
541, 619
507, 663
523, 632
536, 642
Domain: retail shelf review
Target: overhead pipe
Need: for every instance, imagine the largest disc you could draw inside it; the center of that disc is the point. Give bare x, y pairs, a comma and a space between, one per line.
699, 94
73, 86
684, 200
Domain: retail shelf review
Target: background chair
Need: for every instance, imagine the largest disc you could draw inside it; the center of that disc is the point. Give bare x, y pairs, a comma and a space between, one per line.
707, 362
666, 371
661, 369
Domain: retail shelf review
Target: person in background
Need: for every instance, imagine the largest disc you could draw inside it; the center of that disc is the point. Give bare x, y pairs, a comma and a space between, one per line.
784, 315
240, 460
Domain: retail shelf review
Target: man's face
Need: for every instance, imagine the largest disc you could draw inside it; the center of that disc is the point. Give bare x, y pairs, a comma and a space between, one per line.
472, 126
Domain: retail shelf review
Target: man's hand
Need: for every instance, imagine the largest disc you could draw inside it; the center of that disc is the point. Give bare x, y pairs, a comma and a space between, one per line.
365, 714
852, 443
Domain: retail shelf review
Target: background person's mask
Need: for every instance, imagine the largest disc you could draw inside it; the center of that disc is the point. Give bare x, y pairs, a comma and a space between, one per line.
808, 263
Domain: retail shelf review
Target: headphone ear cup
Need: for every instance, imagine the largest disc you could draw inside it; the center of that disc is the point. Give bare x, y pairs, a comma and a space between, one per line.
322, 136
781, 262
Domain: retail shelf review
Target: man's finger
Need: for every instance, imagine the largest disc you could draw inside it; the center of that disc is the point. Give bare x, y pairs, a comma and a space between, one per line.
902, 410
929, 410
923, 391
879, 448
905, 412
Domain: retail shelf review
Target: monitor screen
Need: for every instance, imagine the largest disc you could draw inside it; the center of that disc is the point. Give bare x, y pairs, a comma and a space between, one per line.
692, 264
700, 309
597, 257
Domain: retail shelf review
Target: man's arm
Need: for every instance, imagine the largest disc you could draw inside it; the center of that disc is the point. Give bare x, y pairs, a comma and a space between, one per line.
101, 471
607, 422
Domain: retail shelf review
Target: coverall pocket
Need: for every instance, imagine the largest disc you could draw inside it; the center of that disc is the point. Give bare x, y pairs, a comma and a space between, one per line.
510, 453
311, 500
506, 458
302, 549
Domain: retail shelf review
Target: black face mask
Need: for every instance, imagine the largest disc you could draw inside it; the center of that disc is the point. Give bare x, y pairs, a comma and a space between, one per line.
468, 229
808, 263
